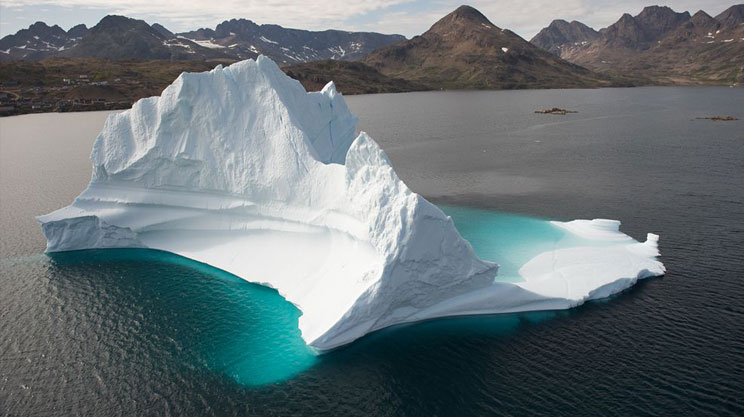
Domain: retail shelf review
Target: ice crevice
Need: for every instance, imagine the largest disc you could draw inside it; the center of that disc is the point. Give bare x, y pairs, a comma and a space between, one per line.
242, 169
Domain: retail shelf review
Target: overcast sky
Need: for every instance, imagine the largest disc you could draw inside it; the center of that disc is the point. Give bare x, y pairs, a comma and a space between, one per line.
407, 17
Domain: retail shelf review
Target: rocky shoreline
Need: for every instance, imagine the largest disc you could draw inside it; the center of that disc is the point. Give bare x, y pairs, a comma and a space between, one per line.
555, 110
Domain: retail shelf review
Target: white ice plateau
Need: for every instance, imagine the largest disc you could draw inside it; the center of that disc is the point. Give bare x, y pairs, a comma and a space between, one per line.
242, 169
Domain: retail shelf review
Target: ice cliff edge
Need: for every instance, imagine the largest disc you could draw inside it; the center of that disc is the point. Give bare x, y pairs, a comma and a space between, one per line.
242, 169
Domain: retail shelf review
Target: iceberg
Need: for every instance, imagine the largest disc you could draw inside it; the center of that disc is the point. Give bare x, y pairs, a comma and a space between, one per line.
242, 169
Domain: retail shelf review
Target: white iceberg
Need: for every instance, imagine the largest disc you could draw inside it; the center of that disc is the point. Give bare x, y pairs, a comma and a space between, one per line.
242, 169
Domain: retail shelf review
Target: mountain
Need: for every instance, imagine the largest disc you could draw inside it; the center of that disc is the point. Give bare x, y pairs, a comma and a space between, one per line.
77, 31
243, 38
114, 37
119, 37
636, 33
700, 50
655, 23
163, 31
662, 46
629, 34
701, 26
561, 34
732, 17
123, 38
37, 42
465, 50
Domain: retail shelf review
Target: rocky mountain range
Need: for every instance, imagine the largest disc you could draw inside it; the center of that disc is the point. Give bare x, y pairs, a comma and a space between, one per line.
123, 38
466, 50
658, 44
463, 50
562, 34
39, 41
243, 39
120, 38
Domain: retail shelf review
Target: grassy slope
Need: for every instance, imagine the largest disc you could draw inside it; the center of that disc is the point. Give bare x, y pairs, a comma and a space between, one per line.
129, 81
137, 79
349, 77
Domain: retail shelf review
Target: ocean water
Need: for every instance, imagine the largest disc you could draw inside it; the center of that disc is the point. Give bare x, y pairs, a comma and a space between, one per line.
136, 332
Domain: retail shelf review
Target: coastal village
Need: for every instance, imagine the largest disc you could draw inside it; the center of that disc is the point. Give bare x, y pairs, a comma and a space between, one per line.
16, 98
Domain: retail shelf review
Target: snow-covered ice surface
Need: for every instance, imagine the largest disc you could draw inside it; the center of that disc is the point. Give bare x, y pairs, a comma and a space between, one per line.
242, 169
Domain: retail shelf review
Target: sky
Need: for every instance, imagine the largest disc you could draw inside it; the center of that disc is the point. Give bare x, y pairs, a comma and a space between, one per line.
406, 17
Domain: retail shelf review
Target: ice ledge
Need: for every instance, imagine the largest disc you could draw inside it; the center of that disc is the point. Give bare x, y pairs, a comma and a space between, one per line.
86, 232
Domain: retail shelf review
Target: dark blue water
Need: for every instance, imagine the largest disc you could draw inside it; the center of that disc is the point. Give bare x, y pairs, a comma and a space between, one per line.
134, 332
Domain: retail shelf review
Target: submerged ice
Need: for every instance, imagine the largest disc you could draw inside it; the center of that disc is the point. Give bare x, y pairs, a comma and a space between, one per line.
242, 169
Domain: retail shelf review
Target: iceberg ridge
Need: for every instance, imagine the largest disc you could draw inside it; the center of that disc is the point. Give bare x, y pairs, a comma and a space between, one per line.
242, 169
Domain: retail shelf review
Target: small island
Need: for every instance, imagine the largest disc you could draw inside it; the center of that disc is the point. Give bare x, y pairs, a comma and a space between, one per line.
719, 118
555, 110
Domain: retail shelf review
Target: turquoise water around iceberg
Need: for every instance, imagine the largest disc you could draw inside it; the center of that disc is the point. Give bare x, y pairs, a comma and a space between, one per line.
509, 239
209, 318
248, 332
